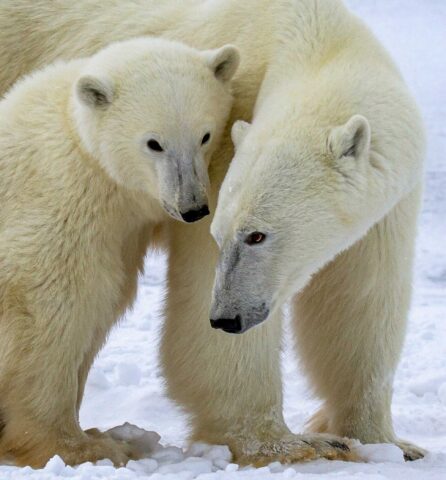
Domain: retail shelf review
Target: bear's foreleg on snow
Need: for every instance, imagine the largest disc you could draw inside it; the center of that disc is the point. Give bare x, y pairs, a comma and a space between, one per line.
350, 323
40, 346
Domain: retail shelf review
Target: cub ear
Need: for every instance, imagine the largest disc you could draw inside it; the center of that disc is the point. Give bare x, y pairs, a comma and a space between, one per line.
94, 92
239, 132
352, 139
223, 62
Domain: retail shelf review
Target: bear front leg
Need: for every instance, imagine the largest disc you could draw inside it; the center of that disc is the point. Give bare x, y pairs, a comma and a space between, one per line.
350, 324
40, 359
229, 384
98, 341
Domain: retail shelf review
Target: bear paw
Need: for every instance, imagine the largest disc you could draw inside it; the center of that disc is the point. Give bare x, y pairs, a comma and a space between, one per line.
97, 446
297, 448
90, 446
411, 452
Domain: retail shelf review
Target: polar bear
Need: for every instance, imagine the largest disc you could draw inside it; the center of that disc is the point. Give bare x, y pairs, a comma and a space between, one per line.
325, 192
94, 153
231, 385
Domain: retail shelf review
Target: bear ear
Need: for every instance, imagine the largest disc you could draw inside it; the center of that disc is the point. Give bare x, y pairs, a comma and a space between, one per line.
94, 92
239, 132
352, 139
223, 62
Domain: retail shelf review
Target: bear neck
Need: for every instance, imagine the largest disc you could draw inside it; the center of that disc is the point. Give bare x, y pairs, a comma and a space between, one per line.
310, 32
313, 36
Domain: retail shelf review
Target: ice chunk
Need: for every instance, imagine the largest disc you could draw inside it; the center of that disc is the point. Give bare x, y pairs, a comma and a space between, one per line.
169, 454
55, 465
143, 443
144, 466
380, 453
232, 467
211, 452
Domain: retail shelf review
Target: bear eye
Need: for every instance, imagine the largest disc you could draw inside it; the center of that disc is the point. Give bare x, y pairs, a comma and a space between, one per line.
255, 238
155, 146
206, 138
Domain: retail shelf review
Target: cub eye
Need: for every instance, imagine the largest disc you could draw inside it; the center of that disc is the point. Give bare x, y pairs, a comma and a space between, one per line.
206, 138
155, 146
255, 238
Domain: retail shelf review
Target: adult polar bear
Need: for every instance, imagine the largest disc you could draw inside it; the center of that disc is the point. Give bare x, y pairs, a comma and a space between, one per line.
342, 163
231, 386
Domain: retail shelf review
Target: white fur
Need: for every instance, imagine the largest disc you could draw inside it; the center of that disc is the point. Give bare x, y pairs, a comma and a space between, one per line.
315, 174
350, 319
81, 197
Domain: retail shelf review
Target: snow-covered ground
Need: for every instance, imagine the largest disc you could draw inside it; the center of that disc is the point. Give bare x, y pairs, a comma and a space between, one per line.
125, 384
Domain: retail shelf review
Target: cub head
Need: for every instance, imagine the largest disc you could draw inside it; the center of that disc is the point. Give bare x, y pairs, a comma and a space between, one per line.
152, 111
289, 203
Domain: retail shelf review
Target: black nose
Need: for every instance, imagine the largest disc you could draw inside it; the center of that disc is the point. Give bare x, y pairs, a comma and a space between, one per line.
194, 215
228, 325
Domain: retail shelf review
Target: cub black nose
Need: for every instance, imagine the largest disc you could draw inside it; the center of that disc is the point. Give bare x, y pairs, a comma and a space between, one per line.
228, 325
194, 215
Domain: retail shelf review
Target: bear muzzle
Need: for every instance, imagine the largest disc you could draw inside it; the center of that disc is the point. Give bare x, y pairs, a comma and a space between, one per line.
240, 324
194, 215
228, 325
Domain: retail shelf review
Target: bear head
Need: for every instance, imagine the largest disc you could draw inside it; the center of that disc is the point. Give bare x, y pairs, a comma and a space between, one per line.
151, 111
290, 202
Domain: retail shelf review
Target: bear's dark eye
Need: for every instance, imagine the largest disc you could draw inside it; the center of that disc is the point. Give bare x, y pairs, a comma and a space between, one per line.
155, 146
206, 138
255, 238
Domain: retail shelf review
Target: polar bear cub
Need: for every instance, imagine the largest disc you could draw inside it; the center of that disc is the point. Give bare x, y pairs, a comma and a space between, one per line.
93, 153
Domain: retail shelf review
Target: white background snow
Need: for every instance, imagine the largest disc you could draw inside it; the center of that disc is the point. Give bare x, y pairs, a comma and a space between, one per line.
125, 384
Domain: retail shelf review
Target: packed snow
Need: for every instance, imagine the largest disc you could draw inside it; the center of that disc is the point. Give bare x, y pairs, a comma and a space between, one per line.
125, 384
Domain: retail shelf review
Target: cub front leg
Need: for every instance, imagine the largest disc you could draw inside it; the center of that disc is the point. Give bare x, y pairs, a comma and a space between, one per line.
39, 367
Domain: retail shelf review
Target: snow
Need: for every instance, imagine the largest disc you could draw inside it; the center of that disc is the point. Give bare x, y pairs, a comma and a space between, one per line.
125, 384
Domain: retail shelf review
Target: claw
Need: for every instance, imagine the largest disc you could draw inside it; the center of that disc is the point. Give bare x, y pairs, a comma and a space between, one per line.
298, 448
411, 452
339, 445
